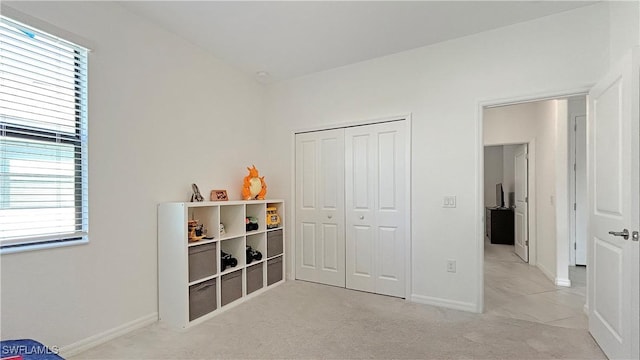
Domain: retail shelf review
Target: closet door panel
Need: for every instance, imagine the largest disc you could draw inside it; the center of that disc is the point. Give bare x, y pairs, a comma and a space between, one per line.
388, 240
361, 178
320, 207
330, 247
391, 208
363, 252
375, 178
308, 245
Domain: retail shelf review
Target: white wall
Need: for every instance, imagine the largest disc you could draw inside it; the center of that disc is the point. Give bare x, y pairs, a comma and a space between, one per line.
162, 114
624, 31
442, 86
493, 173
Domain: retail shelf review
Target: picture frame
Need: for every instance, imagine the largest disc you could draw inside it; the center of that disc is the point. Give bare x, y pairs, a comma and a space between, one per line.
219, 195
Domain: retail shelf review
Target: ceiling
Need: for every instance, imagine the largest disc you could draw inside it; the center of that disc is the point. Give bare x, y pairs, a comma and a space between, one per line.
287, 39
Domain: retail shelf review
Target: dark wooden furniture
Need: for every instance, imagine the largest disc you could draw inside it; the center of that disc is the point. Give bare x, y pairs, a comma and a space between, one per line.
499, 225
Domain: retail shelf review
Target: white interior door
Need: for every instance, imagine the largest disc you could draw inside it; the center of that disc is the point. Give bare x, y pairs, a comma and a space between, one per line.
581, 198
375, 170
521, 216
613, 198
320, 246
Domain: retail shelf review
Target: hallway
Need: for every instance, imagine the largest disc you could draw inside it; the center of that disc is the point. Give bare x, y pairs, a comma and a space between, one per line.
514, 289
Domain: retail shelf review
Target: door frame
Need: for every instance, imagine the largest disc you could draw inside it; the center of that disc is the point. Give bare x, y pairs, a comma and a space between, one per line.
562, 245
531, 193
408, 190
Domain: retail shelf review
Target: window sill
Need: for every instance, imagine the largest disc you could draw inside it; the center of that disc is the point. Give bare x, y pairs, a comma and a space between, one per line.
42, 246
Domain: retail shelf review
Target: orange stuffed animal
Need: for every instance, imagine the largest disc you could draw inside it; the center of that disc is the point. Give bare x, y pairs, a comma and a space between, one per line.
253, 186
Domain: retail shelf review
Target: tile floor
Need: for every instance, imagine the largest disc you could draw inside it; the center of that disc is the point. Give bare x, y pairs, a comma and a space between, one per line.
517, 290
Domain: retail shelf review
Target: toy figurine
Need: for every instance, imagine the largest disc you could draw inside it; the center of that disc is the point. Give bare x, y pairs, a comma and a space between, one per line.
251, 223
196, 231
196, 196
253, 186
273, 219
227, 260
253, 254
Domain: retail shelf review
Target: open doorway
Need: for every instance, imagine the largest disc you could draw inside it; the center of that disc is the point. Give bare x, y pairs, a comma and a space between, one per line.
540, 281
507, 213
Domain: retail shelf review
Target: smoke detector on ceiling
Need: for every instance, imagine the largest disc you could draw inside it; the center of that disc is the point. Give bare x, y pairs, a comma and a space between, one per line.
263, 77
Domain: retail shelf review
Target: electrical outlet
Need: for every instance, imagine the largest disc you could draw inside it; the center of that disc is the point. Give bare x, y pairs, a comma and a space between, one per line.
451, 266
449, 202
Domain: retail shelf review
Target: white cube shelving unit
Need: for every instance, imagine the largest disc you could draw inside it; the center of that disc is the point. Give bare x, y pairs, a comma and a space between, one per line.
184, 300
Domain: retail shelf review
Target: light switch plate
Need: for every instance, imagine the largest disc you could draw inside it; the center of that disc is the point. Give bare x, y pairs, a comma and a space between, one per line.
451, 266
449, 202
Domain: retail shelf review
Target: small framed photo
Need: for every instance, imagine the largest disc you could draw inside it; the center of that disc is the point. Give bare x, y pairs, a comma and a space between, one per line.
219, 195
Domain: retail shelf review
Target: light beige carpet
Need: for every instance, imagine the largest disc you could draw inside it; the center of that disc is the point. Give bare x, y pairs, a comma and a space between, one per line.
304, 320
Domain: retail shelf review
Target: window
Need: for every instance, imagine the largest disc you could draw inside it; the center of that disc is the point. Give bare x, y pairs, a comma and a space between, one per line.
43, 138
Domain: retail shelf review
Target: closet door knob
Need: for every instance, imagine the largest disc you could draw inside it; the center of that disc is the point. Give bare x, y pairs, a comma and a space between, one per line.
330, 216
361, 217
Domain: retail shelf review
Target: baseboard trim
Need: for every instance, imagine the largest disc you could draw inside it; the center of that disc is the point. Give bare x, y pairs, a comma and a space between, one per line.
547, 273
95, 340
563, 282
446, 303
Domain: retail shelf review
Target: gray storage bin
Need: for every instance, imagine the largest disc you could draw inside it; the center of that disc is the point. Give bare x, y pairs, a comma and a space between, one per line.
202, 261
202, 299
231, 287
274, 270
274, 243
254, 278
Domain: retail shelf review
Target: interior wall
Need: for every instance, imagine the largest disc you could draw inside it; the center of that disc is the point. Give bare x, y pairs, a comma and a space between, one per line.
162, 115
442, 86
624, 31
493, 173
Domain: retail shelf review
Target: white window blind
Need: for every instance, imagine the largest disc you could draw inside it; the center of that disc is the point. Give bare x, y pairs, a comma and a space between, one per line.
43, 137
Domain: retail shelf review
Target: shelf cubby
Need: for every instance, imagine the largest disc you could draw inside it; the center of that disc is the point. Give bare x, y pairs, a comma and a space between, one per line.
232, 216
274, 270
275, 243
235, 247
280, 210
202, 299
231, 287
255, 277
207, 216
257, 242
258, 211
202, 261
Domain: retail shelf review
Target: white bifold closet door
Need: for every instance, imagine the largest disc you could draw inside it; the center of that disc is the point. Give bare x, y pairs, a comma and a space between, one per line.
375, 208
320, 207
351, 207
